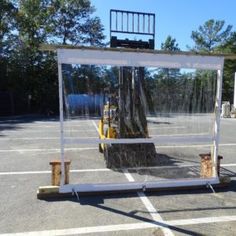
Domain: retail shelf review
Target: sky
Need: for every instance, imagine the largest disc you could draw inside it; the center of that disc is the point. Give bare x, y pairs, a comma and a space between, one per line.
177, 18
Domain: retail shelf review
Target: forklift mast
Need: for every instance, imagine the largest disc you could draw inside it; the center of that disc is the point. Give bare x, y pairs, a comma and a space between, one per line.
138, 24
132, 106
132, 121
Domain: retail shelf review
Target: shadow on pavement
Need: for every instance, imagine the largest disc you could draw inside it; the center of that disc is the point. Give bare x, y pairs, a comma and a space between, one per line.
13, 123
134, 215
100, 200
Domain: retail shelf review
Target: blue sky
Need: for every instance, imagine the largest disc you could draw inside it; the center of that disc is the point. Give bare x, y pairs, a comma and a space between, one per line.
173, 17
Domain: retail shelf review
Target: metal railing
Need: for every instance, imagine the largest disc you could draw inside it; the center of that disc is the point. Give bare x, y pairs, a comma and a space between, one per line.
130, 22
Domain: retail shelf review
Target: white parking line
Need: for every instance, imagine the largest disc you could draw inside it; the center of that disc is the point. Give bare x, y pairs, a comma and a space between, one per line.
151, 209
126, 227
166, 127
155, 215
227, 144
94, 148
128, 176
188, 134
25, 172
29, 138
203, 220
94, 124
40, 131
49, 172
195, 145
40, 138
21, 126
228, 119
228, 165
184, 146
46, 150
106, 169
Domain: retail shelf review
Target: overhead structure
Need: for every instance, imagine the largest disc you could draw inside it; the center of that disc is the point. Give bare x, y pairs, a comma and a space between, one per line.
234, 91
140, 24
198, 117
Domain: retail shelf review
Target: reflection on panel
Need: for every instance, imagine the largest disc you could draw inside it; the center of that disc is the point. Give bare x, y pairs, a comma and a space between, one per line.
174, 106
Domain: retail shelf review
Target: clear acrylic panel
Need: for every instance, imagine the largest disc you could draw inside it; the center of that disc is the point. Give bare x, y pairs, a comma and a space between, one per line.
168, 113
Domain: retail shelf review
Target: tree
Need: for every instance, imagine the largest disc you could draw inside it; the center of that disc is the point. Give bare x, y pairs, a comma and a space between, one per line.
170, 44
214, 36
211, 35
33, 22
72, 23
229, 68
167, 77
28, 71
7, 24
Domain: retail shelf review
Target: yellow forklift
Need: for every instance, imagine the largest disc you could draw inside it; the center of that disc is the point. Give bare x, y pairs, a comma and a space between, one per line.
124, 113
108, 123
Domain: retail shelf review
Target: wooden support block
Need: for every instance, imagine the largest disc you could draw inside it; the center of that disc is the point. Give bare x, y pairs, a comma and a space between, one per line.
207, 165
56, 172
225, 180
48, 189
51, 192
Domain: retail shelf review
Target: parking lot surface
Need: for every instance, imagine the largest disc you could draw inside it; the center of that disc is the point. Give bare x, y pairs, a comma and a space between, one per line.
28, 144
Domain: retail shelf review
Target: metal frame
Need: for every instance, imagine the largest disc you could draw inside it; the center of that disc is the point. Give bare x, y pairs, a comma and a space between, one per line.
234, 105
135, 23
130, 25
118, 57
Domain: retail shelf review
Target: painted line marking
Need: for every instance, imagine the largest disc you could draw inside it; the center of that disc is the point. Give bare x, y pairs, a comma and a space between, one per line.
188, 134
30, 138
43, 138
66, 125
25, 172
49, 171
106, 169
228, 165
155, 215
47, 150
128, 175
167, 127
95, 125
228, 119
227, 144
43, 132
151, 209
94, 148
203, 220
125, 227
86, 230
184, 146
195, 145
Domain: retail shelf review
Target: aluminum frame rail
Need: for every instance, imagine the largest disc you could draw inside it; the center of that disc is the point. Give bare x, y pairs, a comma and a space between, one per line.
134, 58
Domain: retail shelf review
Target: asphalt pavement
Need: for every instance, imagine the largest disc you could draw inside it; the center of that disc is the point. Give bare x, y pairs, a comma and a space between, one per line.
28, 144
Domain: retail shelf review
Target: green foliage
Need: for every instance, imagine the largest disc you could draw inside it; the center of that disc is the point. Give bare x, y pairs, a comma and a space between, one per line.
25, 24
211, 35
7, 22
71, 23
170, 44
229, 68
32, 20
25, 70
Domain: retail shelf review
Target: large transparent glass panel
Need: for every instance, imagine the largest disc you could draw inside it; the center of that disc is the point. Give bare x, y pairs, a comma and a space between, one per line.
168, 112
